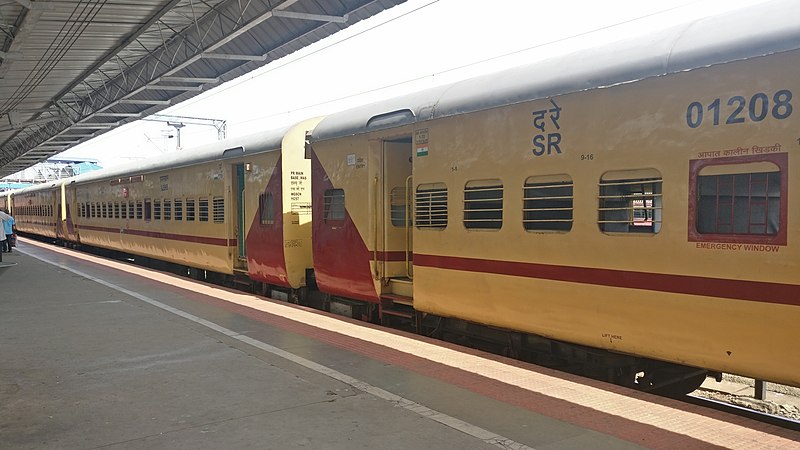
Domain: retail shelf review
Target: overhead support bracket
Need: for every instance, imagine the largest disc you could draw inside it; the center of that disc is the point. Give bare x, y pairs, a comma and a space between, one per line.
306, 16
131, 101
113, 114
234, 57
97, 126
157, 87
187, 80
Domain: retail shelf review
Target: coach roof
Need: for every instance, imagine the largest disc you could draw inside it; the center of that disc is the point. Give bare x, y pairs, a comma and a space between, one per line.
746, 33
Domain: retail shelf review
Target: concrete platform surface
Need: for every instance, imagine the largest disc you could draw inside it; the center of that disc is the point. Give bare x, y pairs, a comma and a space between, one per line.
99, 354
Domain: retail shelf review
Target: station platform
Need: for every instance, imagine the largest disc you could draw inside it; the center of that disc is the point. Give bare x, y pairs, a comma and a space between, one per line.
97, 353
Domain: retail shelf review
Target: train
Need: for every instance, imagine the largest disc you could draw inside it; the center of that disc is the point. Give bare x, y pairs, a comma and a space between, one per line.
623, 211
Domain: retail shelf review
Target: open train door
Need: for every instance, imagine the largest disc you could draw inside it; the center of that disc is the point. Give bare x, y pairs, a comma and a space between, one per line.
239, 214
396, 222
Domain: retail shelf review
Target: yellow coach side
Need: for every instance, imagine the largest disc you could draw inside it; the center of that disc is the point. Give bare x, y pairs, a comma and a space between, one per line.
631, 292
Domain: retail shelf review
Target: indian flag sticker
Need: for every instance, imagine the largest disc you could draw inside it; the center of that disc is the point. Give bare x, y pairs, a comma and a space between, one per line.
422, 151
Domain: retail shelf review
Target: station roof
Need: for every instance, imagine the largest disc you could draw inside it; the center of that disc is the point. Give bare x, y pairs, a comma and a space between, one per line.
71, 70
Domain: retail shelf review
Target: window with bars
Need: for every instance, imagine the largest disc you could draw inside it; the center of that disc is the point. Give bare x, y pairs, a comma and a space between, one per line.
167, 210
218, 209
483, 205
630, 202
398, 201
139, 210
739, 201
116, 210
430, 206
156, 209
547, 203
131, 210
123, 210
190, 210
203, 210
178, 204
333, 211
266, 208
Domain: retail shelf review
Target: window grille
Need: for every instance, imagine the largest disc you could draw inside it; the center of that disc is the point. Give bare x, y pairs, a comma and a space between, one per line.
334, 210
190, 210
203, 213
218, 204
116, 210
139, 210
739, 203
167, 210
430, 209
178, 204
267, 205
629, 205
547, 203
483, 205
123, 210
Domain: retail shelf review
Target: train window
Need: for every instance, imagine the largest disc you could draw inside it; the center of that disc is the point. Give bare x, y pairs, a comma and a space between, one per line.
178, 204
483, 205
131, 210
105, 210
116, 210
334, 211
156, 209
430, 209
190, 213
218, 209
266, 208
400, 214
123, 210
547, 203
139, 210
167, 210
630, 201
148, 209
739, 200
203, 213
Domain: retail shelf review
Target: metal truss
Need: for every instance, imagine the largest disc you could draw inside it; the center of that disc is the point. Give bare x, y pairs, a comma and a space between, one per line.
191, 45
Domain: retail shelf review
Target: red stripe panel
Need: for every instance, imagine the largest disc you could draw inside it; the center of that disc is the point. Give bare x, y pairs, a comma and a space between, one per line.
785, 294
171, 236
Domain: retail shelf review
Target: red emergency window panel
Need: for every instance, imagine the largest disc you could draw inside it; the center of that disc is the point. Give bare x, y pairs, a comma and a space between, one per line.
741, 199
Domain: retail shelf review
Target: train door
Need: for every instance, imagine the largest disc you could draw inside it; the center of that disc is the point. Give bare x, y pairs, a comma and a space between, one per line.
396, 229
239, 213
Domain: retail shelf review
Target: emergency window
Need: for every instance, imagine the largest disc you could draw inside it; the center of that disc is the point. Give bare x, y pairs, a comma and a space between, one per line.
739, 199
334, 206
483, 205
630, 201
547, 203
430, 209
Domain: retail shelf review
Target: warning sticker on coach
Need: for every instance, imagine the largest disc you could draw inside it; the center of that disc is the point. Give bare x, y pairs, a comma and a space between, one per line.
421, 142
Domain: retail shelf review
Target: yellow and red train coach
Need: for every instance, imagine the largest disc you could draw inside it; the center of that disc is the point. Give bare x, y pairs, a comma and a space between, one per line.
237, 206
635, 198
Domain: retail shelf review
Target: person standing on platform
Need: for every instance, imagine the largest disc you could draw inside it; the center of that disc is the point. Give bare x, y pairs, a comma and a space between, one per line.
8, 230
2, 237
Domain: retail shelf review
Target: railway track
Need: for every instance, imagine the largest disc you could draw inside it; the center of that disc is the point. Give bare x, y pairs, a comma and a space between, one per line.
719, 405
